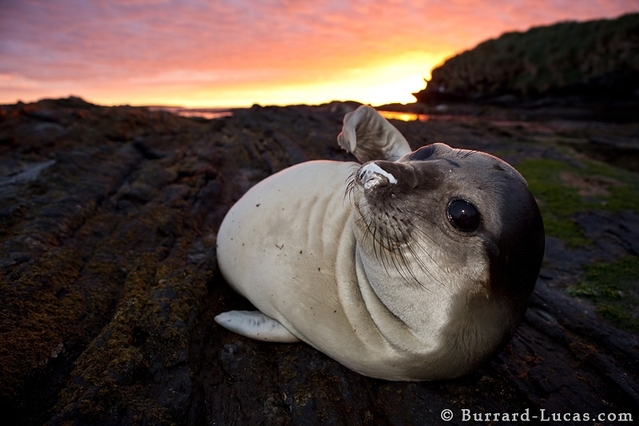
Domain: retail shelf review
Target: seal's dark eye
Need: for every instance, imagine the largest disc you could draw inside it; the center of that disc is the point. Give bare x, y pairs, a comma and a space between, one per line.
463, 215
422, 153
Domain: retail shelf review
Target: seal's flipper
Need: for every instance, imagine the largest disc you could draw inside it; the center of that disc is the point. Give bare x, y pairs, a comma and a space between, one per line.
255, 325
369, 136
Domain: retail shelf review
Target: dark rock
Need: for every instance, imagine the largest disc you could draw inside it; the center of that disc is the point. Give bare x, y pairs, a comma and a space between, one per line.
613, 234
110, 284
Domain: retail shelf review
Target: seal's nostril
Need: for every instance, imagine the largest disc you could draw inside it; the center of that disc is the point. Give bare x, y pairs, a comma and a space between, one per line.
371, 175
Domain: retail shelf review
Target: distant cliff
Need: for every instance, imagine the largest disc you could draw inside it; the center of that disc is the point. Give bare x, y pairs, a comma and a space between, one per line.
595, 59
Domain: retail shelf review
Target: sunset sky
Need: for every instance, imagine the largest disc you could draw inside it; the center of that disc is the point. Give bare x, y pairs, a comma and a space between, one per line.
230, 53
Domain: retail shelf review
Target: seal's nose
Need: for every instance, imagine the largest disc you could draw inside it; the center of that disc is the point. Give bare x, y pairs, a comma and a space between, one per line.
371, 176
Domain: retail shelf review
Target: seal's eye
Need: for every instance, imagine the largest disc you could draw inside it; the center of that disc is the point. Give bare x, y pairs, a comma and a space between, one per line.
423, 153
463, 215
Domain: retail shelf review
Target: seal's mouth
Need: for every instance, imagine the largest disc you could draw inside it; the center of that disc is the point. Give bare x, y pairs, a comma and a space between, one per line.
370, 175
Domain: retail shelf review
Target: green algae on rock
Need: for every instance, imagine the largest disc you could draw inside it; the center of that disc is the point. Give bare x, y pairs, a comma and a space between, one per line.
614, 289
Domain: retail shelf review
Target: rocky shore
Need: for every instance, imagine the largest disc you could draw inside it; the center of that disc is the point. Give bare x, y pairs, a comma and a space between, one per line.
109, 284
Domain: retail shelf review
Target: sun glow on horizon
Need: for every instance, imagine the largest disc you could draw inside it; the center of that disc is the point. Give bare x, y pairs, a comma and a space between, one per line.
376, 83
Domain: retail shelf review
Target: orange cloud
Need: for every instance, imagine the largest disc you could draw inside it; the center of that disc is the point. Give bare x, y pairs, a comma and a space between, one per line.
235, 53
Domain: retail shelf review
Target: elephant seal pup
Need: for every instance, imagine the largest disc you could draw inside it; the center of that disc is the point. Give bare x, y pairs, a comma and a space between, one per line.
416, 265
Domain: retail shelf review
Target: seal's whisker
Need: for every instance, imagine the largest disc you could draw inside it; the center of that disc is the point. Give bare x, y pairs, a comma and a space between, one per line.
464, 153
389, 243
424, 250
350, 185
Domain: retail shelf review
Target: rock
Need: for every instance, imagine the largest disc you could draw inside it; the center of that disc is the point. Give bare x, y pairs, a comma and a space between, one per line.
110, 283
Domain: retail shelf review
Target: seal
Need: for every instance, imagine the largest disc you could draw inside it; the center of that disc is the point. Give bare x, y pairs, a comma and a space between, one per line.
416, 265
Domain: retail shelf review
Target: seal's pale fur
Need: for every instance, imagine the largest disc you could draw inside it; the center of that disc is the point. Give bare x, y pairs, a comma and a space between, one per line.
362, 262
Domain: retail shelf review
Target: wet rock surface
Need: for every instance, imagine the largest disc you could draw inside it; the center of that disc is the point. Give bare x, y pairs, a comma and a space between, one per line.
109, 285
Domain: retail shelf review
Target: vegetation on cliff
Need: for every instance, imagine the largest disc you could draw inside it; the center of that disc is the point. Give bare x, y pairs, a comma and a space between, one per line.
594, 59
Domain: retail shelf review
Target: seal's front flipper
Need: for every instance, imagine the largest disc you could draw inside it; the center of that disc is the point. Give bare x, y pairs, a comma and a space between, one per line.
255, 325
369, 136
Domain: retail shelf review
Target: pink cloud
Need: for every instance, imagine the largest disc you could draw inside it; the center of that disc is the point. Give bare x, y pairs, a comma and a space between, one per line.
161, 41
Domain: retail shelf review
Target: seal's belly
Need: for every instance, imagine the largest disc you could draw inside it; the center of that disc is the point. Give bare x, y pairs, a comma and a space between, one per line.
279, 244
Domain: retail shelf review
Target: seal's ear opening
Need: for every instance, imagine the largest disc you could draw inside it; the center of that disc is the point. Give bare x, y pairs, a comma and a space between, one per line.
369, 136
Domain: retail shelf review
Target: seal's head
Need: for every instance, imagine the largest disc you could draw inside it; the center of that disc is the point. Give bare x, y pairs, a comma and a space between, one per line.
454, 226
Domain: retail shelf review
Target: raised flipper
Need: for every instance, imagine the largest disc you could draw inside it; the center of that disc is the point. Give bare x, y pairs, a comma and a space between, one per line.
255, 325
369, 136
